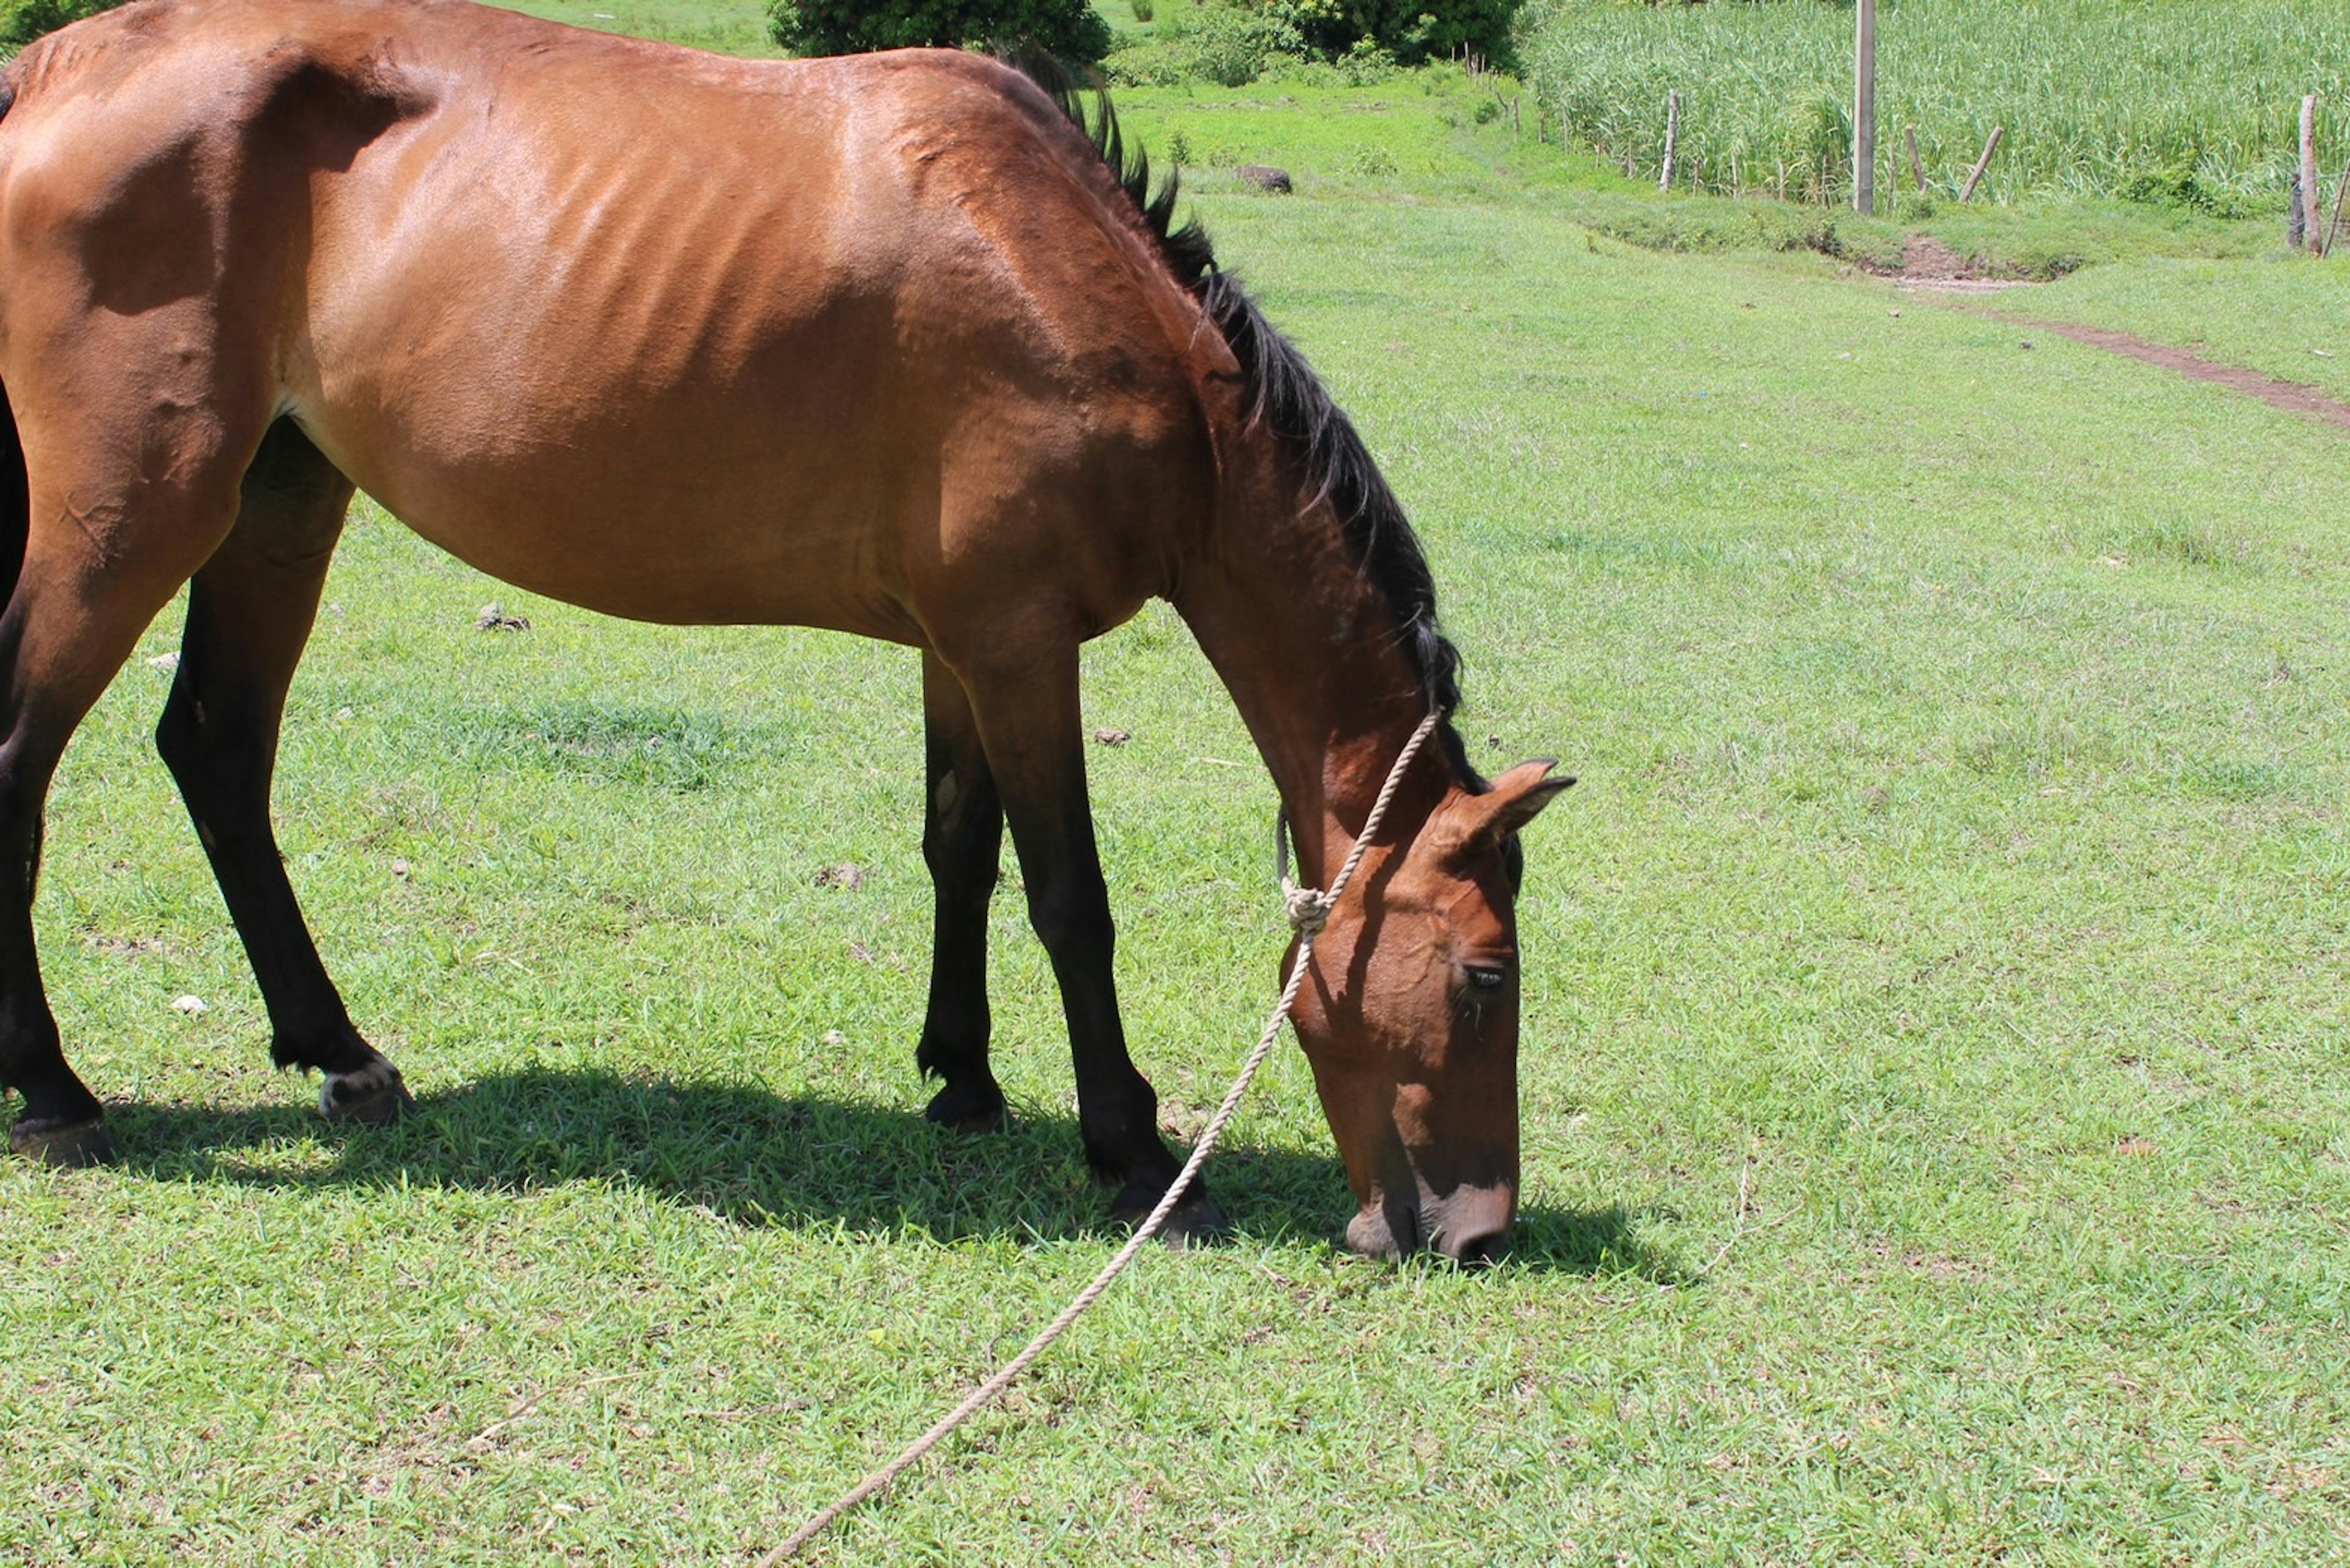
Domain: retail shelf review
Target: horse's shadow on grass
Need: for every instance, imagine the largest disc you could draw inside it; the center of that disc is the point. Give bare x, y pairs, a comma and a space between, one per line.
754, 1157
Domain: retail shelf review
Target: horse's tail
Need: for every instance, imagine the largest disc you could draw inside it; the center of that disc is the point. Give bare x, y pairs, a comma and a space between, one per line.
15, 502
15, 492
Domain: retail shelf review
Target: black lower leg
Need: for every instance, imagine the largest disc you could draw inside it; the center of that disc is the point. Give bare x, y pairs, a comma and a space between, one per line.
63, 1122
1030, 716
962, 842
249, 613
1117, 1110
216, 750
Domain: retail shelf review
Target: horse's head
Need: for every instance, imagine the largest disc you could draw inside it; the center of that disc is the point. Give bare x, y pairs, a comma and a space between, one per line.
1410, 1017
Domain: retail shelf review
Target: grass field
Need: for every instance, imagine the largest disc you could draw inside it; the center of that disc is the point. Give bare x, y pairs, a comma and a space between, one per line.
1958, 871
1768, 90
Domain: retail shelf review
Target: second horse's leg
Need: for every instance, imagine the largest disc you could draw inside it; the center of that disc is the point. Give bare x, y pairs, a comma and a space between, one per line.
963, 841
249, 614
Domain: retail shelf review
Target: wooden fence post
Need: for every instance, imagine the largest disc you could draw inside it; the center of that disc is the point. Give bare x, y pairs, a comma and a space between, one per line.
1864, 107
2312, 198
1967, 191
1672, 134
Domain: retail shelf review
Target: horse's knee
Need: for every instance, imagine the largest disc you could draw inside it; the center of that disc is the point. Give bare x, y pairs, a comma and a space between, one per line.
1071, 916
191, 747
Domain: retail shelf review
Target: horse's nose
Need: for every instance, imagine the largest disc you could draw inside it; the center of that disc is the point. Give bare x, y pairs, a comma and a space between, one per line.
1384, 1231
1469, 1224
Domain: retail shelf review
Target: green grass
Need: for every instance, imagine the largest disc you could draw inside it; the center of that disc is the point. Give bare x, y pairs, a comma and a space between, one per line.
1419, 136
1767, 90
733, 27
1960, 842
2287, 314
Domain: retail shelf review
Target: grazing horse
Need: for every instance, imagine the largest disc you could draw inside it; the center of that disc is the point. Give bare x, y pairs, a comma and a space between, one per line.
896, 345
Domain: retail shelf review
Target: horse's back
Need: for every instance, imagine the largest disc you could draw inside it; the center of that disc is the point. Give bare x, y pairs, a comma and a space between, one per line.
672, 334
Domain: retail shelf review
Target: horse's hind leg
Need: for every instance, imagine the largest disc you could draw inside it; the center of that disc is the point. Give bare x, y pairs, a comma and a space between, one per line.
963, 841
249, 614
104, 547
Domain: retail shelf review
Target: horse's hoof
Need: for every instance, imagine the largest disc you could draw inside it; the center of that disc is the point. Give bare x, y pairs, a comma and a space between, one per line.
959, 1108
1195, 1221
68, 1144
372, 1096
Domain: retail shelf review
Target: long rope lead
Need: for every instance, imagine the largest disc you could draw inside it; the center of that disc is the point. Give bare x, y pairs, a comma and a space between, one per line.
1308, 912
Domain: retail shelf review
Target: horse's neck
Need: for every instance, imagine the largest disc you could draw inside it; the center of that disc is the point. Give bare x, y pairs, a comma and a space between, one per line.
1309, 650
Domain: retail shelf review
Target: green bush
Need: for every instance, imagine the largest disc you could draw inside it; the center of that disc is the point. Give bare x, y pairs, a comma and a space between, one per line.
1233, 42
1069, 28
1228, 44
22, 21
2177, 185
1413, 31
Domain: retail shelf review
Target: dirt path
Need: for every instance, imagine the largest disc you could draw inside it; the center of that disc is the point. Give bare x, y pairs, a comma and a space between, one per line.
1929, 266
2289, 395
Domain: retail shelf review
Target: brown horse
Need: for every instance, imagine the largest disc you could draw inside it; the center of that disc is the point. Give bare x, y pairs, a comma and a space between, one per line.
890, 345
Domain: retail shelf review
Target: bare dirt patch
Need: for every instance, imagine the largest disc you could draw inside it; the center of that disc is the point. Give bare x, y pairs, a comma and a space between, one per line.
1928, 264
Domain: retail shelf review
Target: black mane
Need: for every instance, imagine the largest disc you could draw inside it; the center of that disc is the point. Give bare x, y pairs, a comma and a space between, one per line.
1284, 394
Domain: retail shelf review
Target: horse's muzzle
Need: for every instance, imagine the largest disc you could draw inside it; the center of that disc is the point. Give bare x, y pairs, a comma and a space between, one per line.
1468, 1225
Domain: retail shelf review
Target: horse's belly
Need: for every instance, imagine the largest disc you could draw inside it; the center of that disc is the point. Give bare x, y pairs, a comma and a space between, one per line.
675, 470
654, 532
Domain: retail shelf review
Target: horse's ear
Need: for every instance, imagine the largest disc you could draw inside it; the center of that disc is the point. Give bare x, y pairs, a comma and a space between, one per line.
1518, 796
1478, 821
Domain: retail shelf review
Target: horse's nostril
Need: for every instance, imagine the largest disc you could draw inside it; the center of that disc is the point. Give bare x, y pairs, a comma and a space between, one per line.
1470, 1224
1478, 1249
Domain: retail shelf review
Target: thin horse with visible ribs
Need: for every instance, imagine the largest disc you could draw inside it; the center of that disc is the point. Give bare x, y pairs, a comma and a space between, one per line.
897, 345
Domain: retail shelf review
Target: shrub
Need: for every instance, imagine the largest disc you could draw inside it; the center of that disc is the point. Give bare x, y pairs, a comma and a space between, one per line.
1413, 31
1232, 45
1069, 28
1144, 10
1228, 44
22, 21
2179, 186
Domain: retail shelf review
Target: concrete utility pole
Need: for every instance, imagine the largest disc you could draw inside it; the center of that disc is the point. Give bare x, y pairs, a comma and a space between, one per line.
1864, 107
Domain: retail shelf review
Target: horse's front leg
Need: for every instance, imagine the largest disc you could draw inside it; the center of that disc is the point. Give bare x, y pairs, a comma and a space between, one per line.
249, 614
1028, 720
963, 841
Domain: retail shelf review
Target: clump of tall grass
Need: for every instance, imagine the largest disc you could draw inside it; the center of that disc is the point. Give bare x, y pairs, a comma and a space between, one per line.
2157, 100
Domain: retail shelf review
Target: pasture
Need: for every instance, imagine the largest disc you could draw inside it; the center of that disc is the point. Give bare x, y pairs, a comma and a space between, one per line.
1938, 1136
1768, 91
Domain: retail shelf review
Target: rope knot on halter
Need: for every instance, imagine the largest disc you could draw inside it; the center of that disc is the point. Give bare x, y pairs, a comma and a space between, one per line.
1309, 909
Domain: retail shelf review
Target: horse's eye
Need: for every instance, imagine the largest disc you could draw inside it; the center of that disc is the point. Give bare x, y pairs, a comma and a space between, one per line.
1483, 976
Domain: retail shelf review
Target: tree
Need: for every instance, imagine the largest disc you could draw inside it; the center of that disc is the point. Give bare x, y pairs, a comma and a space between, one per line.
1071, 30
